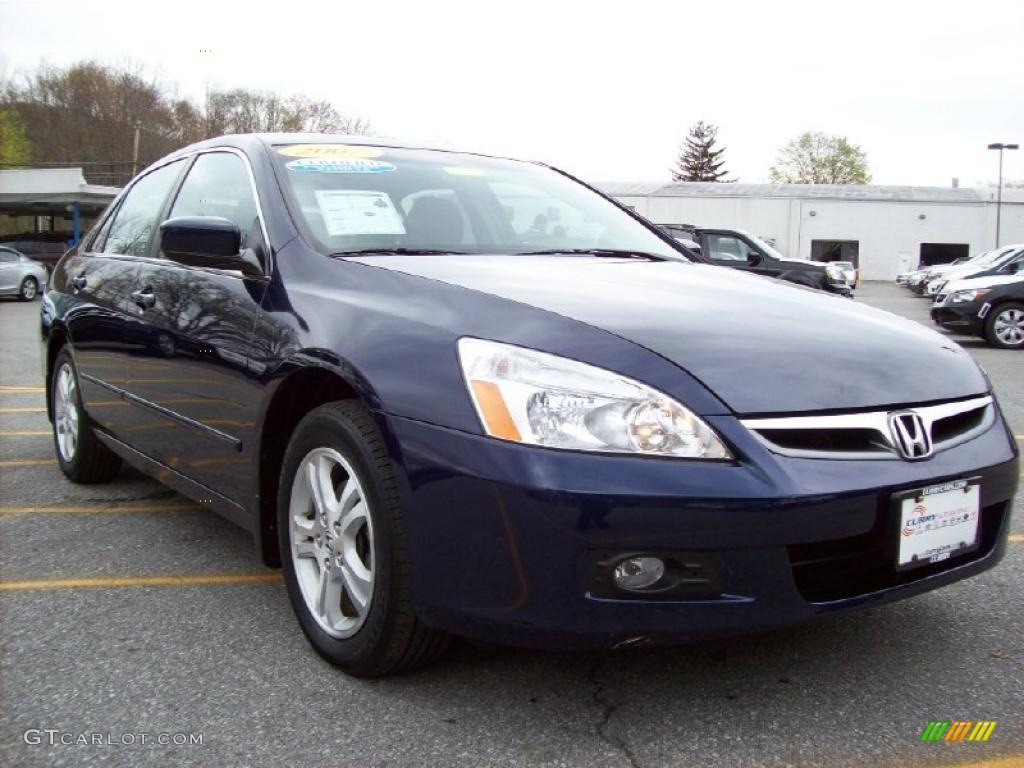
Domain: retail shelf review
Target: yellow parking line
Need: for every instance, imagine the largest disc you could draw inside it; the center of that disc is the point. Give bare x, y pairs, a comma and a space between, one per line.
1016, 538
25, 433
1013, 761
13, 389
23, 410
93, 509
262, 577
27, 462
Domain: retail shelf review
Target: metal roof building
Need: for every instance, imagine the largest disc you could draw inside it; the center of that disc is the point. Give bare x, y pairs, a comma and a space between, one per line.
883, 229
53, 192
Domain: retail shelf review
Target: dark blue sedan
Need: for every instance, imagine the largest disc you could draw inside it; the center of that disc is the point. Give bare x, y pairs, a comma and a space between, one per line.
453, 394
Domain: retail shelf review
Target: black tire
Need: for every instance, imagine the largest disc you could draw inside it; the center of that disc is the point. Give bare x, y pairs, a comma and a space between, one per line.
994, 315
391, 639
29, 289
91, 462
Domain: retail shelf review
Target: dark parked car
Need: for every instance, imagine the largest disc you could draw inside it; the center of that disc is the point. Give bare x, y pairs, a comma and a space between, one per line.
737, 249
995, 313
460, 395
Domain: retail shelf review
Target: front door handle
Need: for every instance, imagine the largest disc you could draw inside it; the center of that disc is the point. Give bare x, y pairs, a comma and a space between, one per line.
144, 299
79, 282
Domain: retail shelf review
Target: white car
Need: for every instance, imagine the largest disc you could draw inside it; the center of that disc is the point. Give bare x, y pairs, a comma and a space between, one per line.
999, 259
19, 275
960, 289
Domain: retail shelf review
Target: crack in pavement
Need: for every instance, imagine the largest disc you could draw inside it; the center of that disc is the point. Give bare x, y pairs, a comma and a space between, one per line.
607, 711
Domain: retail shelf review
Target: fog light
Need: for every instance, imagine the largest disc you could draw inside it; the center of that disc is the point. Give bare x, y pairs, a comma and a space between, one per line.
637, 573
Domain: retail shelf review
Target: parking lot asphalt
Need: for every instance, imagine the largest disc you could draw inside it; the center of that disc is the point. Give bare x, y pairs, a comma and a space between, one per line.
126, 610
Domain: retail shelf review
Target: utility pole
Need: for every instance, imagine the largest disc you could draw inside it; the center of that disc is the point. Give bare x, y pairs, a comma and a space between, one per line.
134, 154
999, 192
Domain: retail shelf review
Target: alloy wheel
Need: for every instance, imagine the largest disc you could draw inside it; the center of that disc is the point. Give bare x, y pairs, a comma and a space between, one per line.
1009, 327
331, 536
65, 412
28, 290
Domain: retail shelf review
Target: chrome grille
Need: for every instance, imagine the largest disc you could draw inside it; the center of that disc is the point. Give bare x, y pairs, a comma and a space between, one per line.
869, 435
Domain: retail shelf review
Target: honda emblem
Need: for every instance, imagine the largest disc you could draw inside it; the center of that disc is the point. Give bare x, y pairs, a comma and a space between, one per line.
910, 435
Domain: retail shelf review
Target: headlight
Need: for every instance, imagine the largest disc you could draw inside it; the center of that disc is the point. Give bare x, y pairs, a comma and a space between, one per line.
535, 398
835, 274
969, 294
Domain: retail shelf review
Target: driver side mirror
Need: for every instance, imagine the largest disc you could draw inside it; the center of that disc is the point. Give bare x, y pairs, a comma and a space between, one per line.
207, 241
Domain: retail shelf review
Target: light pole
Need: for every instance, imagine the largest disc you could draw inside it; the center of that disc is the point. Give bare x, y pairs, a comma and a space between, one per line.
999, 193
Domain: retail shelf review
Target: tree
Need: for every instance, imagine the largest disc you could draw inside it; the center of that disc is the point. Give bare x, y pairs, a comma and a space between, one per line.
698, 159
816, 158
88, 113
14, 145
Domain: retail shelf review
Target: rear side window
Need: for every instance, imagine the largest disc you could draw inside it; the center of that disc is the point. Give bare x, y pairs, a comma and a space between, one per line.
218, 185
136, 219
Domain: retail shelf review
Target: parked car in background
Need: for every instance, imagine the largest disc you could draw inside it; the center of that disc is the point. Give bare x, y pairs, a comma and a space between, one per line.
44, 247
1002, 261
741, 250
989, 307
849, 272
447, 416
19, 275
918, 278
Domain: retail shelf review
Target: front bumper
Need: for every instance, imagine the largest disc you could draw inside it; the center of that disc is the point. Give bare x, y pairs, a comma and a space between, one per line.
962, 318
504, 540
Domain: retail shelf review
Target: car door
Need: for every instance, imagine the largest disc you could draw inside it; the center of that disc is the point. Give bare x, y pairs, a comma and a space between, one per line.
195, 405
98, 278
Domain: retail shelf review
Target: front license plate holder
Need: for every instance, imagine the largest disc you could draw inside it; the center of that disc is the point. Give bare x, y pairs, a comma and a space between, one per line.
937, 522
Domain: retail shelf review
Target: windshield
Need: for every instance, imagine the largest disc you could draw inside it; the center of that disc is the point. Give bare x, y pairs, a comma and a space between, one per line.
359, 198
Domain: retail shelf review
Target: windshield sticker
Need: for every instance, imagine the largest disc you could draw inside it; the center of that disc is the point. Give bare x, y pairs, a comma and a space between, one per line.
328, 150
458, 170
358, 212
339, 165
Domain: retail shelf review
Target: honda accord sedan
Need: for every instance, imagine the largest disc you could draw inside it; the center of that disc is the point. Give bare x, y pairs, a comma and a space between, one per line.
460, 395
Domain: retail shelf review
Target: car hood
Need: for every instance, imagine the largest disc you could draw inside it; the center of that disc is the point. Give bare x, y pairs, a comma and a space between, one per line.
760, 345
986, 281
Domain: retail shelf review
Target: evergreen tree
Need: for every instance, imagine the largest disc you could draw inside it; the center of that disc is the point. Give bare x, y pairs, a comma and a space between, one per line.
698, 159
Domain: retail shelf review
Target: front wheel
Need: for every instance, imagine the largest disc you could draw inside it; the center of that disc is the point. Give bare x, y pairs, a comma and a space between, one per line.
342, 547
1004, 326
29, 289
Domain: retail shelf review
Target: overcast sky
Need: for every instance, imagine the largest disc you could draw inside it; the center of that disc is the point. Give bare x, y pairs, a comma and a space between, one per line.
604, 91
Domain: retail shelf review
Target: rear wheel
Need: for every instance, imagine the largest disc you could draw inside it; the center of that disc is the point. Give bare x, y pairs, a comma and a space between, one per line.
29, 289
342, 548
1004, 326
82, 457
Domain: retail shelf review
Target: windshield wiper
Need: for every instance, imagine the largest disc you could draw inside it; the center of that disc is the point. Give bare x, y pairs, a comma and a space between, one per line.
609, 252
401, 252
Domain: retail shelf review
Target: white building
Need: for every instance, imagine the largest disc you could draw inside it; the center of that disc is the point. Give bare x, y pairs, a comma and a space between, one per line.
885, 230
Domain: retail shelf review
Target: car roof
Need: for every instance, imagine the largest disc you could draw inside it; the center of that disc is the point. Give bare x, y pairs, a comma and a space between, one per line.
251, 141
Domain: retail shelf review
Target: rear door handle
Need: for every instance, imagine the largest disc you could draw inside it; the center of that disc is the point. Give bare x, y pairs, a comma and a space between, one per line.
79, 282
144, 299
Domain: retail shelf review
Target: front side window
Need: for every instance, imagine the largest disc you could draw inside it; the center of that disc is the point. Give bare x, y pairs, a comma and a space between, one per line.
728, 248
218, 185
135, 220
360, 198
